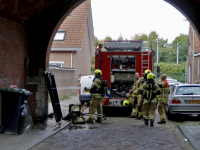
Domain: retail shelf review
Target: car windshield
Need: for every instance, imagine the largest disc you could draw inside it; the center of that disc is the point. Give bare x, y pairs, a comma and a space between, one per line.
188, 90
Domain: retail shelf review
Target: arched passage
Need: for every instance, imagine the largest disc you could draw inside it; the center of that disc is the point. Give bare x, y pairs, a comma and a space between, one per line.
27, 30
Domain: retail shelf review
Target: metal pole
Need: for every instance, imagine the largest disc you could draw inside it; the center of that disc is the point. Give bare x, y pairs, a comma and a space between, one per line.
193, 59
177, 52
157, 51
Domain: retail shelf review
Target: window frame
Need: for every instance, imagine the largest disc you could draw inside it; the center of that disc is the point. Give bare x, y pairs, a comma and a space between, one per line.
60, 31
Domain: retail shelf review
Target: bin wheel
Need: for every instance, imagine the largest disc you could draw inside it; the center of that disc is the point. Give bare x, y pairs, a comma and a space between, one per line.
1, 129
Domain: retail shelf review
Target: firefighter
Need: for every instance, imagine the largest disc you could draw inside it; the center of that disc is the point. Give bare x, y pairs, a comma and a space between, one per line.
133, 98
96, 100
163, 98
149, 90
139, 84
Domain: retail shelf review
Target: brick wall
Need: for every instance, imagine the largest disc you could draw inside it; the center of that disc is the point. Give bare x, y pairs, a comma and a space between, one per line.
12, 54
62, 56
190, 55
83, 57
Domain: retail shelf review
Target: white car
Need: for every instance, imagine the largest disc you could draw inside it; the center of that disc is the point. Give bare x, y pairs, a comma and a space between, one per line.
85, 81
184, 99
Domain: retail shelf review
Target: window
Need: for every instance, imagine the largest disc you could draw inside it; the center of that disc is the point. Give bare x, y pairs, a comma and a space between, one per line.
60, 36
56, 63
188, 90
173, 89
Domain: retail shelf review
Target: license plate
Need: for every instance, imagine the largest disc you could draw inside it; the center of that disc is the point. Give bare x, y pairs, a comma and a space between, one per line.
103, 99
86, 91
193, 101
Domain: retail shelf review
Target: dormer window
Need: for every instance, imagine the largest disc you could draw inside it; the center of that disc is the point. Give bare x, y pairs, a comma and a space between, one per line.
60, 36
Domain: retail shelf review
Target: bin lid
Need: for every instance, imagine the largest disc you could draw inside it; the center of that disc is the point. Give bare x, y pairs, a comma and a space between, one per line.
16, 91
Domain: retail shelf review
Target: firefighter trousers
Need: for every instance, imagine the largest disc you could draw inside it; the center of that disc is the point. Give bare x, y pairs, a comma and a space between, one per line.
140, 105
96, 104
150, 111
134, 106
162, 110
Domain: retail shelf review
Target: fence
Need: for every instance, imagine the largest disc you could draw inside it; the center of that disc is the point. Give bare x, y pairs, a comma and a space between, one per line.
181, 77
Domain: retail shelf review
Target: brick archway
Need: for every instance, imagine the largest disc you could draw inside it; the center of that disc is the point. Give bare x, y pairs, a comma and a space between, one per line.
27, 30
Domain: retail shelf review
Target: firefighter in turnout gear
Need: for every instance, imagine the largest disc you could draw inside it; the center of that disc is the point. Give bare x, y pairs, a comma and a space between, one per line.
139, 84
149, 90
133, 98
163, 98
96, 100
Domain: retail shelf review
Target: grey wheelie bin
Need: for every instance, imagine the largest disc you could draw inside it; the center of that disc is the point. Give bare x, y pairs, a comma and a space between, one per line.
14, 110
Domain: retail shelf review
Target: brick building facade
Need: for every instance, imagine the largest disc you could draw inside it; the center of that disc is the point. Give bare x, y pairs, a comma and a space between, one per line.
72, 52
193, 37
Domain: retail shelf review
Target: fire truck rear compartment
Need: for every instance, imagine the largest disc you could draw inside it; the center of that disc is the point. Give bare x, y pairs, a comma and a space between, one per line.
122, 75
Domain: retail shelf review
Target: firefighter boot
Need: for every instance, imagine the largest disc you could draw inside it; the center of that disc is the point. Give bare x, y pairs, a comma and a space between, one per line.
99, 120
132, 116
137, 117
90, 120
146, 122
151, 123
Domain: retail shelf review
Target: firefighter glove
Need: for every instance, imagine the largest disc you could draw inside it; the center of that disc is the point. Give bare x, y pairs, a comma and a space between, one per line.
160, 85
140, 91
158, 92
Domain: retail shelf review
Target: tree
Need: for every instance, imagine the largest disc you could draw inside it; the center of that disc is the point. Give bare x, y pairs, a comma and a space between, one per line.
108, 38
182, 39
120, 37
140, 36
96, 40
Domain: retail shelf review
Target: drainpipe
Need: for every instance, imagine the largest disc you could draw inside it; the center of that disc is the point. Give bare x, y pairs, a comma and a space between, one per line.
71, 58
193, 60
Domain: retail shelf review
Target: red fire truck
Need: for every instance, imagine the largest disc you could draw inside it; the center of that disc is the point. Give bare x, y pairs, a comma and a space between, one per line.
119, 63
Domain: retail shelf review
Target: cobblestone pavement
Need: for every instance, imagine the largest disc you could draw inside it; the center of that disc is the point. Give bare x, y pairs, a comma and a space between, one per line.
115, 134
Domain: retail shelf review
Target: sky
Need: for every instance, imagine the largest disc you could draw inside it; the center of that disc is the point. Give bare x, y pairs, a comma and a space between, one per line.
130, 17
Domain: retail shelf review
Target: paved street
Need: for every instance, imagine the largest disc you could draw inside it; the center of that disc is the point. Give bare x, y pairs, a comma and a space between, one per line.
118, 133
113, 133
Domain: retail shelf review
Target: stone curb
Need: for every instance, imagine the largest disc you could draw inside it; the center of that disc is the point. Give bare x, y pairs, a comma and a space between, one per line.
193, 142
32, 144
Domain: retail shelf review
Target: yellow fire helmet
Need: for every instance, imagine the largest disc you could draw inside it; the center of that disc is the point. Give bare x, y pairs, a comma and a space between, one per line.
98, 72
150, 76
147, 71
126, 103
